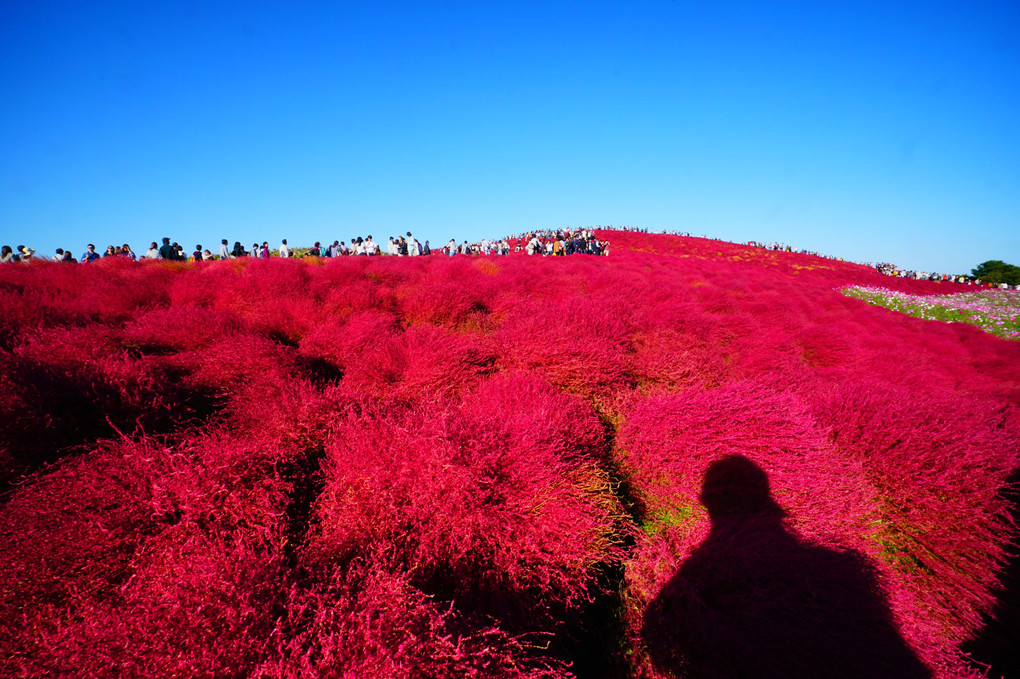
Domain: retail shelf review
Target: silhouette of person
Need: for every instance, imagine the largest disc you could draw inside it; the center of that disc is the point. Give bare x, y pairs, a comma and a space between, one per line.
754, 600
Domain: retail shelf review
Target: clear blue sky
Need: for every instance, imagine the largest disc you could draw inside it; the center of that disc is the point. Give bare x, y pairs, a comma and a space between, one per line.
873, 131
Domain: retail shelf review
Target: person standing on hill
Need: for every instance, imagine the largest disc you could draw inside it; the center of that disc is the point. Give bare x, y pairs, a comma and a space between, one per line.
167, 251
533, 245
90, 255
152, 252
284, 250
224, 253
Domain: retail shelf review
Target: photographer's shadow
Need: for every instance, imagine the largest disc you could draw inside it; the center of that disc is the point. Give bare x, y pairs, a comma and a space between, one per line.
754, 600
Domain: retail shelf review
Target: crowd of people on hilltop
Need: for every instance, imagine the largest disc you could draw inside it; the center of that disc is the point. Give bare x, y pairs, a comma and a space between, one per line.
544, 242
892, 270
777, 247
558, 242
403, 245
541, 242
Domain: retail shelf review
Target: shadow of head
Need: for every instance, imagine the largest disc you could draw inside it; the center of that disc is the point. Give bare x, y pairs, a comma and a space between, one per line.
736, 486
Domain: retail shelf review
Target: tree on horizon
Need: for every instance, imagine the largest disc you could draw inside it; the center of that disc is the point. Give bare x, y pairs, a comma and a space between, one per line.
996, 271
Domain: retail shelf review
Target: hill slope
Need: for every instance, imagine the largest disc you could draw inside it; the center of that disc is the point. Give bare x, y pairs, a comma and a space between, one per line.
689, 458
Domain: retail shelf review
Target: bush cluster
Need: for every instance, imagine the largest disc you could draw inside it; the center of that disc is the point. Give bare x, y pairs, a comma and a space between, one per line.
676, 461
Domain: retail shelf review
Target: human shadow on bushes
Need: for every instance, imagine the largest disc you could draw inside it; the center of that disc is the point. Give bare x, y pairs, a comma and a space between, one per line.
754, 600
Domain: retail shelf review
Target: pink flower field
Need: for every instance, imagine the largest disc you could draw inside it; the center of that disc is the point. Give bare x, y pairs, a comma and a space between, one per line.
687, 459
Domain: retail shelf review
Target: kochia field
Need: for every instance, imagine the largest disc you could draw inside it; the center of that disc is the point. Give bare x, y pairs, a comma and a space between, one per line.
687, 459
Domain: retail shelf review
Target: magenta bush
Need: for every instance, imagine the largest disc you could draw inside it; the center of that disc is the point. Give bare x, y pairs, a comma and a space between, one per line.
938, 462
576, 344
197, 604
526, 520
179, 328
439, 364
447, 293
368, 620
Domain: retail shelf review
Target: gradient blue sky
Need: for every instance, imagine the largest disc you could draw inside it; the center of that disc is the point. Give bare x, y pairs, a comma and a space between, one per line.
875, 132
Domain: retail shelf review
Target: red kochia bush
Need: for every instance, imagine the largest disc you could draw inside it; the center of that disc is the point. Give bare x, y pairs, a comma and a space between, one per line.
50, 294
234, 361
446, 292
345, 286
53, 395
362, 349
198, 604
67, 535
175, 568
938, 461
518, 414
142, 557
367, 621
271, 296
497, 506
676, 344
439, 363
179, 328
118, 494
576, 344
376, 355
72, 383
